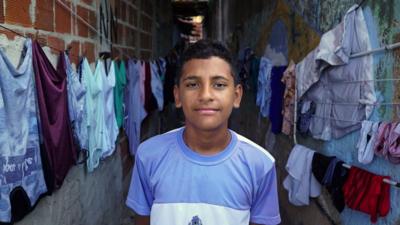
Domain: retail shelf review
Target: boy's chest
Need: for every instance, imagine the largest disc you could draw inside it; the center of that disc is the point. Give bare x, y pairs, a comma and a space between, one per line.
226, 185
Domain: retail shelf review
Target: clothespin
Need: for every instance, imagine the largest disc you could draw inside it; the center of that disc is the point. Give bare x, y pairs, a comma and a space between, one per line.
69, 48
35, 37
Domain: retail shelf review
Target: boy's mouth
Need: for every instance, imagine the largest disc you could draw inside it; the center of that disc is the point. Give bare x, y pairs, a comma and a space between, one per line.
206, 111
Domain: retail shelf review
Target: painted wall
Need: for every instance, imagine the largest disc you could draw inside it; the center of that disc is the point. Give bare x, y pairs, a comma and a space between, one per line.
289, 29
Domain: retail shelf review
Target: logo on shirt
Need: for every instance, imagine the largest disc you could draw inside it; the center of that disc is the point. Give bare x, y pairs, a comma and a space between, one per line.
195, 221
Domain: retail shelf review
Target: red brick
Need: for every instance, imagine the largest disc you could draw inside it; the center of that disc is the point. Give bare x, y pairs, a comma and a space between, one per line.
10, 35
44, 15
132, 16
145, 41
39, 37
83, 30
17, 12
146, 23
63, 18
147, 7
120, 33
131, 53
1, 12
56, 44
89, 2
88, 50
146, 55
114, 52
132, 38
123, 10
124, 37
74, 53
93, 23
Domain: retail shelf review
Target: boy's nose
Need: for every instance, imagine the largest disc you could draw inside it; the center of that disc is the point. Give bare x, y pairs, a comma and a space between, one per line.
206, 93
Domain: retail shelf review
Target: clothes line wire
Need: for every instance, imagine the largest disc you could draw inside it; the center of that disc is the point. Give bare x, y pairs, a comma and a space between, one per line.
358, 103
19, 34
87, 24
380, 49
342, 120
295, 114
391, 182
361, 4
362, 81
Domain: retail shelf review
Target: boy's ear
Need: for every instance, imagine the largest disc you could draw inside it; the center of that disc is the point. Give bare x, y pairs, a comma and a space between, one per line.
178, 103
238, 96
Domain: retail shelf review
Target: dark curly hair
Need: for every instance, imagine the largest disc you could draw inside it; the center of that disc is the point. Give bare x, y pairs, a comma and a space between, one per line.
205, 49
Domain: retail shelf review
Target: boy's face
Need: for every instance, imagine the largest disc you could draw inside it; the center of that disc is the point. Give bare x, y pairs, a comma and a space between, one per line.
207, 93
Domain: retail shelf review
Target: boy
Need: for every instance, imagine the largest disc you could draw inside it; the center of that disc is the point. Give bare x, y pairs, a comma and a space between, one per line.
204, 173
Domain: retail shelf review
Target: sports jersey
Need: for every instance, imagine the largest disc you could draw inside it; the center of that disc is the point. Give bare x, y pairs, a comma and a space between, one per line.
176, 186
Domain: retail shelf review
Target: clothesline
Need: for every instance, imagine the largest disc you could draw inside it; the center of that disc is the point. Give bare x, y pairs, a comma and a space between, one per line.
360, 81
381, 49
391, 182
19, 34
342, 120
87, 24
358, 103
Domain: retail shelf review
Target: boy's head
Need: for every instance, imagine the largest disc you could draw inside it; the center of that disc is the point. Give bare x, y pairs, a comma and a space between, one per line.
206, 86
205, 49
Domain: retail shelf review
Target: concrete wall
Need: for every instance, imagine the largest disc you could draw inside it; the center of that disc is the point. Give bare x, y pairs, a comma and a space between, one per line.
284, 30
130, 25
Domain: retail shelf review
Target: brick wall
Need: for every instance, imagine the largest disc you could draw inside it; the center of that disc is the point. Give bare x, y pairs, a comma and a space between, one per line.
84, 198
58, 27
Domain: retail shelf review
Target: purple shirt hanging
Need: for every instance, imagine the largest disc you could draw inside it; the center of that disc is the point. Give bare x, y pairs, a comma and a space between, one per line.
277, 91
58, 150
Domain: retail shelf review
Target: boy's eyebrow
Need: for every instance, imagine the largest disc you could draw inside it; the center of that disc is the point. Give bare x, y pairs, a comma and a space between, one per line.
191, 77
195, 77
217, 77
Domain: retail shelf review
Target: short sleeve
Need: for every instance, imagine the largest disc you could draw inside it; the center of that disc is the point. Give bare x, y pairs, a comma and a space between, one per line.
140, 197
265, 207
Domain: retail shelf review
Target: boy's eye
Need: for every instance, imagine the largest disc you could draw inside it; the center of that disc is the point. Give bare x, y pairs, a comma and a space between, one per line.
220, 85
191, 85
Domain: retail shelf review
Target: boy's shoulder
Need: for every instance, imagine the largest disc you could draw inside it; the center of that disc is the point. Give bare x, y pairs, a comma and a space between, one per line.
156, 145
254, 153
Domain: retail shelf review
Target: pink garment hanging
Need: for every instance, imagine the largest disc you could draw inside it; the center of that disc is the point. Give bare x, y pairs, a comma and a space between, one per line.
58, 151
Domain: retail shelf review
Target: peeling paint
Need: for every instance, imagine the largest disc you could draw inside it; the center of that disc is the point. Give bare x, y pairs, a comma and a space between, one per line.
304, 22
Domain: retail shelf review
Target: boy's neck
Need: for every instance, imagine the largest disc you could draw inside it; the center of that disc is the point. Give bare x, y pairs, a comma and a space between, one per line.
207, 142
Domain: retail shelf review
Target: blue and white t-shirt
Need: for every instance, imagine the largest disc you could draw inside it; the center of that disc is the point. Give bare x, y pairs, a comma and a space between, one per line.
177, 186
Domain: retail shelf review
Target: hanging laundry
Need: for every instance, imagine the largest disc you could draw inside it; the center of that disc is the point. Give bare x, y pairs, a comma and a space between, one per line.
387, 141
325, 77
300, 182
120, 76
134, 108
330, 173
95, 120
21, 164
150, 102
58, 148
162, 69
305, 113
366, 141
76, 103
366, 192
111, 127
263, 98
156, 85
289, 79
277, 91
